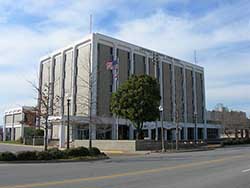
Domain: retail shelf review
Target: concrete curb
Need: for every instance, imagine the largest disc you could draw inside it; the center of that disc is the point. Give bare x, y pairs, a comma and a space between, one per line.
236, 145
56, 161
184, 151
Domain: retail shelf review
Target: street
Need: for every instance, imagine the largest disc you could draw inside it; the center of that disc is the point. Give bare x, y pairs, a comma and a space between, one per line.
220, 168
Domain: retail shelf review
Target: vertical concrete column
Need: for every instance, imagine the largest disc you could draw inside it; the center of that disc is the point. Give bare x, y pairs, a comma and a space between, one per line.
73, 90
74, 80
61, 126
51, 85
131, 57
147, 63
155, 69
149, 134
131, 132
62, 135
173, 91
205, 133
156, 131
22, 130
115, 131
161, 84
4, 133
12, 128
194, 91
204, 109
185, 94
63, 58
195, 100
39, 94
93, 73
4, 128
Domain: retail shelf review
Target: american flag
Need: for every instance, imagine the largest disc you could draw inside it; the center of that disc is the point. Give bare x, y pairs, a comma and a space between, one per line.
110, 65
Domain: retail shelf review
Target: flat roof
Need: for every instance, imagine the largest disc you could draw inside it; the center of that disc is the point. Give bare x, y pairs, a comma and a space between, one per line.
102, 36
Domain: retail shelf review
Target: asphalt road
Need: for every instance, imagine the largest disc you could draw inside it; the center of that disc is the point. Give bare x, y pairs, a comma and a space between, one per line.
221, 168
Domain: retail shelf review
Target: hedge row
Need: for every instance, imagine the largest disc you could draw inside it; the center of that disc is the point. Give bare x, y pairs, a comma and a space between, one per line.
236, 141
51, 154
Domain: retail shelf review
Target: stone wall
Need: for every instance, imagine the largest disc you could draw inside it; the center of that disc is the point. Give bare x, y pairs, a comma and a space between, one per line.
132, 145
109, 145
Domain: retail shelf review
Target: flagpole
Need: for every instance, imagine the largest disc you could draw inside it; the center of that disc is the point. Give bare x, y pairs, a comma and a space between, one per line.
112, 65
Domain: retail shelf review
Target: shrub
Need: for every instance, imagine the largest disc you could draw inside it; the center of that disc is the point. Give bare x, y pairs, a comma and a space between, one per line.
56, 153
44, 155
7, 156
83, 151
20, 140
26, 155
94, 151
39, 132
77, 152
31, 131
236, 141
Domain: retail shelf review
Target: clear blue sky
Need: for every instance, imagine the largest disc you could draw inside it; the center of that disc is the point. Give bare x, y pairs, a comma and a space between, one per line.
218, 29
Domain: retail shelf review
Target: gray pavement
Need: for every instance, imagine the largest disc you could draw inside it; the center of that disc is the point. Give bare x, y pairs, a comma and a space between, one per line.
220, 168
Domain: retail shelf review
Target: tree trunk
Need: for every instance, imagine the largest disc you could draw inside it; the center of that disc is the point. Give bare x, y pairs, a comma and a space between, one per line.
139, 134
241, 133
236, 133
46, 135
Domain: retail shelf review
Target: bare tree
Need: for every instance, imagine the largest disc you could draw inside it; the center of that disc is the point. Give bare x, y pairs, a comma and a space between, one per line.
44, 108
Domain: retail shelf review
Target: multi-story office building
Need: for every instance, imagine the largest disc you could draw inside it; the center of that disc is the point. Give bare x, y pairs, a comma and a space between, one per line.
78, 73
234, 123
16, 120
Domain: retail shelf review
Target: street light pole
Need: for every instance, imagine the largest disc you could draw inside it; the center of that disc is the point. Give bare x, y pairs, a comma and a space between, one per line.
68, 104
162, 131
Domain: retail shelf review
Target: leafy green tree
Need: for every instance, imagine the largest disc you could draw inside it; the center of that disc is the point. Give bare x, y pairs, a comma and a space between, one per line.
138, 100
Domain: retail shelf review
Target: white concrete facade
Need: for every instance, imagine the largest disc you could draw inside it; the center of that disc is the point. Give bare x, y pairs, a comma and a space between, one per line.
14, 123
93, 42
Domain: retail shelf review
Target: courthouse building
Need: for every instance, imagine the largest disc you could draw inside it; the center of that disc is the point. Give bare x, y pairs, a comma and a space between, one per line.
77, 74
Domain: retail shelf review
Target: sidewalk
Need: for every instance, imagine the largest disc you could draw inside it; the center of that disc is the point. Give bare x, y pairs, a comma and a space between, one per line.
20, 145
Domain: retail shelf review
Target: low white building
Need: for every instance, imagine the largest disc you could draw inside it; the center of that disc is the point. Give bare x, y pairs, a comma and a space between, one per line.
16, 120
